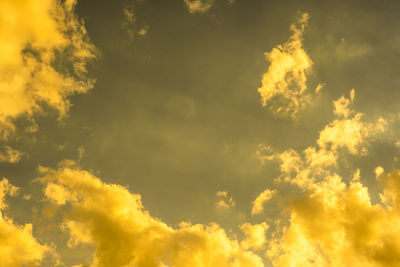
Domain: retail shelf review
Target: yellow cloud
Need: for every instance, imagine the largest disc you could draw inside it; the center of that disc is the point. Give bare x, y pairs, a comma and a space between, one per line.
349, 131
123, 233
260, 200
284, 86
224, 201
335, 224
17, 245
10, 155
42, 60
255, 235
198, 6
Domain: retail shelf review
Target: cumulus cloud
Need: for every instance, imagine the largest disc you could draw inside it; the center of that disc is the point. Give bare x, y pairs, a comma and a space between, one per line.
335, 224
331, 222
255, 235
17, 245
284, 87
349, 132
42, 60
198, 6
123, 233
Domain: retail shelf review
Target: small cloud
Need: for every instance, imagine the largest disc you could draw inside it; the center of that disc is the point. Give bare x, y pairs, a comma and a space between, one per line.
144, 30
260, 200
284, 87
10, 155
130, 23
379, 171
198, 6
224, 201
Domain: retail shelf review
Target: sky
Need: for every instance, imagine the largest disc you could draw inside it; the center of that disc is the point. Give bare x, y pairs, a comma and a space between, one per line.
199, 133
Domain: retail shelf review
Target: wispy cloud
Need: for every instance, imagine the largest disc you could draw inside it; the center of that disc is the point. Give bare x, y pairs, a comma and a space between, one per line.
198, 6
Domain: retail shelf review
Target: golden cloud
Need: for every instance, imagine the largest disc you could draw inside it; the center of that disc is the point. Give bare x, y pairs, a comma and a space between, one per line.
17, 245
10, 155
224, 201
349, 132
284, 87
335, 224
260, 200
198, 6
123, 233
42, 60
255, 235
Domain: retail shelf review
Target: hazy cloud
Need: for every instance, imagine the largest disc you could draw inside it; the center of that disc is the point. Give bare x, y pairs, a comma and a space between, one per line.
224, 201
198, 6
10, 155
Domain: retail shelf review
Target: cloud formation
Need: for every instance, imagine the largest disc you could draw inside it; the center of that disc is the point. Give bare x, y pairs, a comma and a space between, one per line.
10, 155
224, 201
42, 60
348, 133
17, 245
284, 87
198, 6
335, 224
123, 233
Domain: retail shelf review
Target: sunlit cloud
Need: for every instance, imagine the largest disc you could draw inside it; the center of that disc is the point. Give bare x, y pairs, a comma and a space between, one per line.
255, 235
17, 245
198, 6
10, 155
258, 203
335, 224
284, 85
224, 201
42, 60
123, 233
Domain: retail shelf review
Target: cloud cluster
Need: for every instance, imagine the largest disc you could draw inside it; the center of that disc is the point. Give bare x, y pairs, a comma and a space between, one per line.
348, 132
44, 50
334, 223
17, 245
123, 233
10, 155
284, 87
